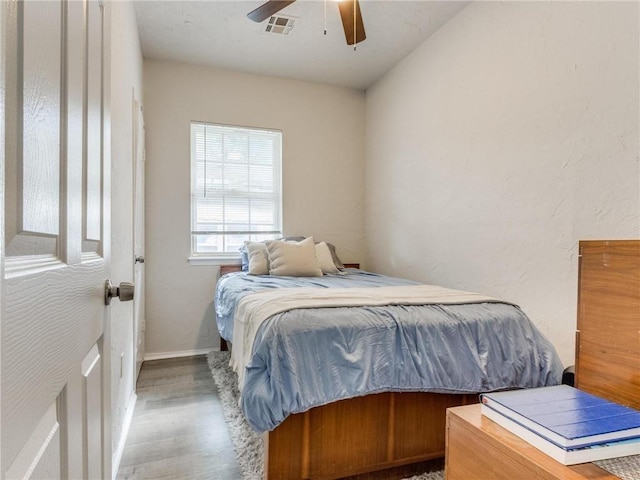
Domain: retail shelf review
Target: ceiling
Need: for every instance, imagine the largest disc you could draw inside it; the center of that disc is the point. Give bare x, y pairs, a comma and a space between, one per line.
218, 33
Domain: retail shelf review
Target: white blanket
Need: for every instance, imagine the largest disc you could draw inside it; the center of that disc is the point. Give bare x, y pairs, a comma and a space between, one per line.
255, 308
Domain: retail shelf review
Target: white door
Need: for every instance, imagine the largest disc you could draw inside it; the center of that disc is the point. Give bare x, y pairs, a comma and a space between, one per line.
138, 234
55, 369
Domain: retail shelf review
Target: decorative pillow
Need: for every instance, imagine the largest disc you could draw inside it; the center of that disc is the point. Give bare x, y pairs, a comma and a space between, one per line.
334, 255
293, 259
325, 259
258, 258
336, 260
244, 255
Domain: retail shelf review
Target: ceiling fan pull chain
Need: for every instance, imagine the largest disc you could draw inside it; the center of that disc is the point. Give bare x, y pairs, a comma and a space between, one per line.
325, 17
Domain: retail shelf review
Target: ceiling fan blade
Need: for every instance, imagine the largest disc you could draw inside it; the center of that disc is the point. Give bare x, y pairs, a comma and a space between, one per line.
349, 23
267, 9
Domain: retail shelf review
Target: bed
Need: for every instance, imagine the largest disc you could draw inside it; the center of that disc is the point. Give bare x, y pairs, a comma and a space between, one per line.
356, 385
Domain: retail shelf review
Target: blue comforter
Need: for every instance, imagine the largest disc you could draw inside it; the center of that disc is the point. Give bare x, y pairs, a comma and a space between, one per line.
233, 286
309, 357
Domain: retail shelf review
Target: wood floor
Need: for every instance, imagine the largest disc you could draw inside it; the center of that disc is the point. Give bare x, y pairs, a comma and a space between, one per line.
178, 429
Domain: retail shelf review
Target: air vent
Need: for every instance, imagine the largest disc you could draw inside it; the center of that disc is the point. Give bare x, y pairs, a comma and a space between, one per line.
279, 25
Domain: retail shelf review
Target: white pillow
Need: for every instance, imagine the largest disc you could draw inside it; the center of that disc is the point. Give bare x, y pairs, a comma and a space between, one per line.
258, 258
325, 259
293, 259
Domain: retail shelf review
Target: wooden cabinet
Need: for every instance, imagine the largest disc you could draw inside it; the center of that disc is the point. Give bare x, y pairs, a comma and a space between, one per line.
478, 448
608, 327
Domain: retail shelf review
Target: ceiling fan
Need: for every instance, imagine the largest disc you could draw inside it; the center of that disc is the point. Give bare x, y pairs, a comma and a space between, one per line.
349, 11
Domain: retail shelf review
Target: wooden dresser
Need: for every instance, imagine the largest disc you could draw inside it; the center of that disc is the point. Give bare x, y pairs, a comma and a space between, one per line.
607, 365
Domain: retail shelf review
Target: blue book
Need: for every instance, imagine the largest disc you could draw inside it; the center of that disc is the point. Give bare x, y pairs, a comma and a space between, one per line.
566, 416
593, 453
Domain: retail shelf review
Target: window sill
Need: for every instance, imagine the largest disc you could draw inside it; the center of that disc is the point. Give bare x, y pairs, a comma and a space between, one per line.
215, 261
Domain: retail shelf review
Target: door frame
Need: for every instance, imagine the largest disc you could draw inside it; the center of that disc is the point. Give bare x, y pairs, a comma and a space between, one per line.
139, 324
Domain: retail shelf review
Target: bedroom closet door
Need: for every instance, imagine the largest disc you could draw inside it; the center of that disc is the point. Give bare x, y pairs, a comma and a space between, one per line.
55, 371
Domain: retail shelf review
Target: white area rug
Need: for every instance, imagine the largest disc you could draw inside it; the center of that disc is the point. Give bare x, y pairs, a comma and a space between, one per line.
247, 443
625, 468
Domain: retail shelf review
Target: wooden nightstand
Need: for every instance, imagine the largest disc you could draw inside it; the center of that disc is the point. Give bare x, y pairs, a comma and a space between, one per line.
479, 449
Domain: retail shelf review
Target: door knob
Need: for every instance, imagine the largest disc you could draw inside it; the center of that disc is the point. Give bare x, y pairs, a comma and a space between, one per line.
124, 292
139, 259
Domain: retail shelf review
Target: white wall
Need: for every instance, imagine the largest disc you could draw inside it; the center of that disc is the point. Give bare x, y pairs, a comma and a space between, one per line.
323, 161
126, 81
503, 140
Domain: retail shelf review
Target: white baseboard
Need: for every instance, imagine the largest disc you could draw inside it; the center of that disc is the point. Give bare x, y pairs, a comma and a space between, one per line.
185, 353
126, 424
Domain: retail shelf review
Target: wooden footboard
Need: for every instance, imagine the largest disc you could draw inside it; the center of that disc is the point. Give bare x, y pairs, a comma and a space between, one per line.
360, 435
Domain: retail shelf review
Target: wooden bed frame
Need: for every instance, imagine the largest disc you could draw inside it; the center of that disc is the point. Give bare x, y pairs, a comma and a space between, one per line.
358, 435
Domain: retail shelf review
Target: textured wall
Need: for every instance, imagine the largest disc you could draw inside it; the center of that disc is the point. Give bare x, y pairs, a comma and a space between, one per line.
505, 138
323, 160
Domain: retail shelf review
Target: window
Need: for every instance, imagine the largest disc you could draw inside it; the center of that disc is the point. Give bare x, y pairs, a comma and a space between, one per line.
236, 192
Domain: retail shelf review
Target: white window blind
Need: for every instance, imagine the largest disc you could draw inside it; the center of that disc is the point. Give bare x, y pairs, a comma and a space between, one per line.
235, 187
